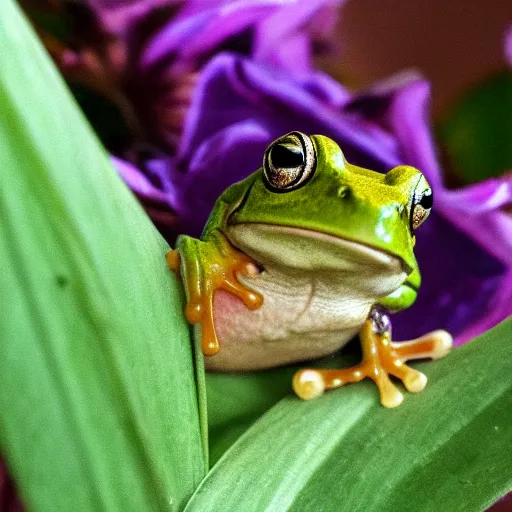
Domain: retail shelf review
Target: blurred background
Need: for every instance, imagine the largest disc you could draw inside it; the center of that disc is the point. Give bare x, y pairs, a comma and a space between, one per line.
459, 47
456, 45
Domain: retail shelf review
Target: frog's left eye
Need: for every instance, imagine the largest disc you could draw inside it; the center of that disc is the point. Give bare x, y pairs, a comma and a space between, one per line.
422, 202
289, 162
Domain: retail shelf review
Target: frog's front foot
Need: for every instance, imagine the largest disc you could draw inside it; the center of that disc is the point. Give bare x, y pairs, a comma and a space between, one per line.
205, 267
381, 358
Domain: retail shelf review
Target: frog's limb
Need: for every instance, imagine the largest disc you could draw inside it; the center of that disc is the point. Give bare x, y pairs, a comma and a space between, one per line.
405, 295
204, 267
381, 358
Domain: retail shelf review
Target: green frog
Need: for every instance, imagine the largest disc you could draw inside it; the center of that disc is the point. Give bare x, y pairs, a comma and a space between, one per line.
303, 255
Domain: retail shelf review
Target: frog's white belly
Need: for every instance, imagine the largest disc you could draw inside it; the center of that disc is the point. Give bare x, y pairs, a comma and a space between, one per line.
303, 316
317, 292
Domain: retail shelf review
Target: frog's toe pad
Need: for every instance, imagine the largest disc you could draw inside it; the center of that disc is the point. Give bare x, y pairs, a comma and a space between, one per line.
443, 342
173, 260
434, 345
308, 384
391, 397
415, 381
251, 299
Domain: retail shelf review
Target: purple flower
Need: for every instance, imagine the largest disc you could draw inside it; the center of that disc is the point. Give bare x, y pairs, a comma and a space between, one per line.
215, 82
146, 55
508, 45
239, 106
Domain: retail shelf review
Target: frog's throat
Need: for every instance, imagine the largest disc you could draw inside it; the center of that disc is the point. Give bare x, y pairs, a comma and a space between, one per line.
269, 242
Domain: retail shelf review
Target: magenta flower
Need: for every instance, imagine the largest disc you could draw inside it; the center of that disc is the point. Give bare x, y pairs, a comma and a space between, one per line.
465, 250
145, 56
211, 84
508, 45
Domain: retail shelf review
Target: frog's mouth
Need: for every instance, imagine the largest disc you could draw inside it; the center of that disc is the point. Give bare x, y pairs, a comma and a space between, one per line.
304, 248
309, 250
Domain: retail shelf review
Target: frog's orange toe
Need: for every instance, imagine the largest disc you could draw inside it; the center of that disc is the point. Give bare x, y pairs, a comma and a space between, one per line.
415, 381
390, 396
173, 260
381, 359
442, 343
434, 345
194, 312
308, 384
251, 299
210, 348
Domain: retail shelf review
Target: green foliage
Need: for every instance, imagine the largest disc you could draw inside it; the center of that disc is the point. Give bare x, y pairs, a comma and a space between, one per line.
477, 131
98, 391
235, 401
446, 448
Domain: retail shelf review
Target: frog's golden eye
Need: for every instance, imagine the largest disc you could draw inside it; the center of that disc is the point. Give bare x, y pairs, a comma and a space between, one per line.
289, 162
422, 202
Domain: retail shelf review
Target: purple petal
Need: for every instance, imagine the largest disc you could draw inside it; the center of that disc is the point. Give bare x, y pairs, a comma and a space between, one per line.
483, 197
118, 15
293, 55
282, 39
408, 114
498, 309
464, 268
232, 89
325, 89
172, 37
138, 181
281, 31
508, 45
198, 31
482, 219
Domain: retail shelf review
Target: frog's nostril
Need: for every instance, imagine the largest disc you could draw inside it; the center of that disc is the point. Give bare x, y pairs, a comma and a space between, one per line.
343, 191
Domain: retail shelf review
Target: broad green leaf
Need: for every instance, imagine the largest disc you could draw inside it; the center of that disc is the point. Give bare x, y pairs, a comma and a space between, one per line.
98, 395
477, 131
446, 448
237, 400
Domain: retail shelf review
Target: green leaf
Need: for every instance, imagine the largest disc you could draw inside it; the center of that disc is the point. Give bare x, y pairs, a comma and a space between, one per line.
477, 131
237, 400
446, 448
98, 395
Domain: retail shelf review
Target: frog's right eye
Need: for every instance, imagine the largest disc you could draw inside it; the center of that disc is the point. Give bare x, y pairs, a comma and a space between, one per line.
289, 162
421, 206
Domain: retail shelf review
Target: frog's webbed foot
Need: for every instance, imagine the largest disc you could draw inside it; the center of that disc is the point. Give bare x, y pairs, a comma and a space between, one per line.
381, 358
204, 267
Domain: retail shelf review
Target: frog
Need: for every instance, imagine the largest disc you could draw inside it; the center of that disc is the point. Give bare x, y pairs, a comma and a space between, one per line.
302, 256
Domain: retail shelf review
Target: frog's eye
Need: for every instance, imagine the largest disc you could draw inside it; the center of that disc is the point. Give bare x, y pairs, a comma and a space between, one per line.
289, 162
421, 204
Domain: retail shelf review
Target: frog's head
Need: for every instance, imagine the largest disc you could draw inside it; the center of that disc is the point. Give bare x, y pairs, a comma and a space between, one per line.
309, 209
